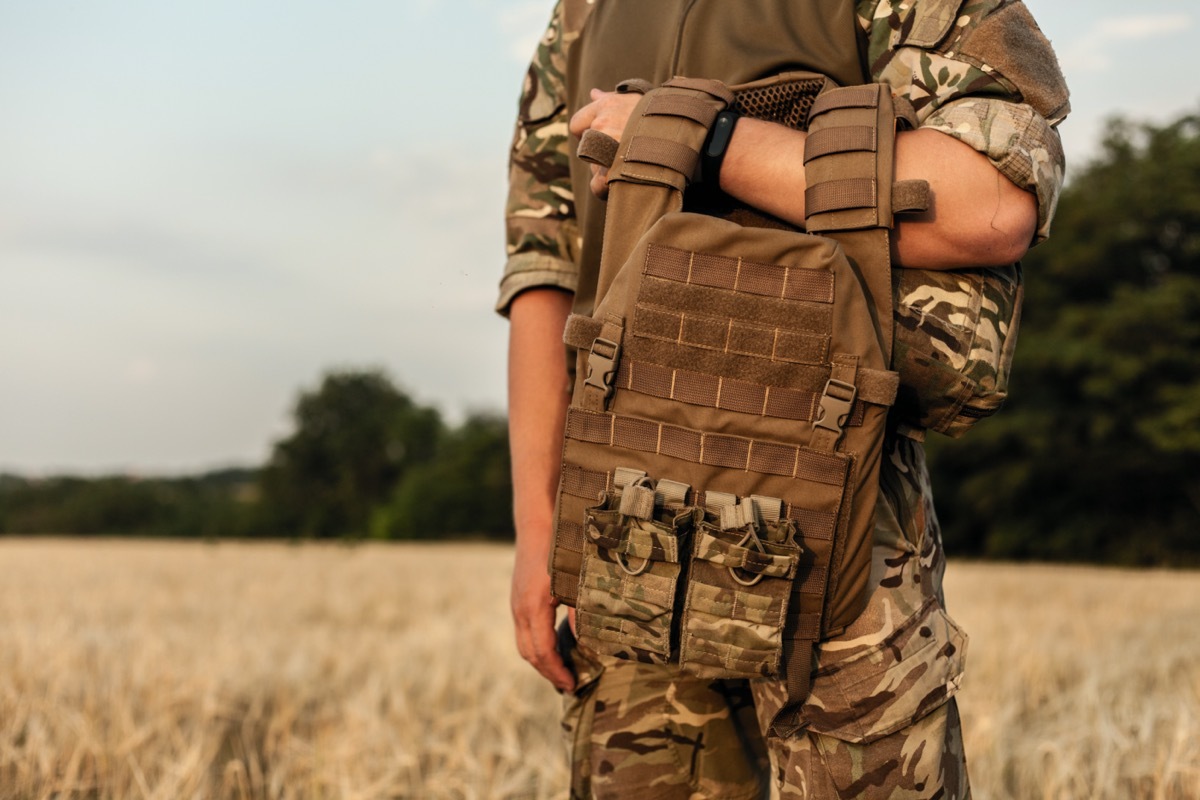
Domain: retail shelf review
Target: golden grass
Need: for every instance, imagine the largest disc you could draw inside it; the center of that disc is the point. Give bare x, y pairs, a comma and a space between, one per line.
178, 670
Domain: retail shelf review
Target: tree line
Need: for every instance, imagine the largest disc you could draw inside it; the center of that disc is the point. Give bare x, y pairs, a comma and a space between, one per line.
1095, 458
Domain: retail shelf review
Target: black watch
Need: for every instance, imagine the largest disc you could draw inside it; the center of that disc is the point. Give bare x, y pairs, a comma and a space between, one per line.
712, 155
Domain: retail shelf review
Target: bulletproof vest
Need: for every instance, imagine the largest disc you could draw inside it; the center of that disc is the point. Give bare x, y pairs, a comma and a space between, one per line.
733, 375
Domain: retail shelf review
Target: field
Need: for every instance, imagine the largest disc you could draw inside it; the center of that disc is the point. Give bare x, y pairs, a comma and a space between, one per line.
132, 669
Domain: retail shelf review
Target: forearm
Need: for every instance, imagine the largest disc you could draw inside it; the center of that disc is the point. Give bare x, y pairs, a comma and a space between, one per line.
977, 218
537, 403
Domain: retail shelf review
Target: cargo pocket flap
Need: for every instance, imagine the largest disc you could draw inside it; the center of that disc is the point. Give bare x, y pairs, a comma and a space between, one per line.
893, 684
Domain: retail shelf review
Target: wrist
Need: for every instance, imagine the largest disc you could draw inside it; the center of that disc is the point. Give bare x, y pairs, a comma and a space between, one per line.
716, 144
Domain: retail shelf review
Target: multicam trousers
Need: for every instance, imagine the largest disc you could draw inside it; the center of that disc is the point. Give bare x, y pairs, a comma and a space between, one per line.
881, 718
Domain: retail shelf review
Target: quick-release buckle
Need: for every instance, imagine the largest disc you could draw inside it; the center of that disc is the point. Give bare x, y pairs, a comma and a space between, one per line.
836, 402
602, 365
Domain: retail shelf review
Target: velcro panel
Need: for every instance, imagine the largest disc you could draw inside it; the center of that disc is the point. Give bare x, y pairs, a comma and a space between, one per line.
731, 336
695, 300
738, 275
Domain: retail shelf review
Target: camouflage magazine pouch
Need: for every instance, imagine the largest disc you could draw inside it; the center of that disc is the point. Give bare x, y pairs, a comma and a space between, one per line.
954, 340
630, 575
739, 586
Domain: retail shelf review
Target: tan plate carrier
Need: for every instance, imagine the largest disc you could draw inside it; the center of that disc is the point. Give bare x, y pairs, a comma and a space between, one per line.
720, 466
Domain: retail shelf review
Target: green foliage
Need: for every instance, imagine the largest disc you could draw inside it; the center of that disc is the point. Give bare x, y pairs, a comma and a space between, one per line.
205, 506
1097, 456
356, 436
466, 489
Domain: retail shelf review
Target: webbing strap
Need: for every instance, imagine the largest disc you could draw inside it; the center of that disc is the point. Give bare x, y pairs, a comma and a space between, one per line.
837, 195
846, 139
676, 105
711, 87
637, 501
590, 484
714, 391
739, 275
663, 153
597, 148
910, 195
698, 447
865, 96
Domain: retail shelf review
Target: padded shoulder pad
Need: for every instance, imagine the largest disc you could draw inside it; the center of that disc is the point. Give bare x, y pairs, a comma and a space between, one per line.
1010, 41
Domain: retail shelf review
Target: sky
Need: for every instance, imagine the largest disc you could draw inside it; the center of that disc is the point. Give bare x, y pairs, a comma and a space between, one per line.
204, 207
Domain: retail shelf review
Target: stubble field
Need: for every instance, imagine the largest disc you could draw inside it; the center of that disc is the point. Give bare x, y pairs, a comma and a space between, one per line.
133, 669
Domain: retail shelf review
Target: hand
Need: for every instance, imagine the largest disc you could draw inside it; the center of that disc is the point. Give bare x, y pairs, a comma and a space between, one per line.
533, 608
608, 113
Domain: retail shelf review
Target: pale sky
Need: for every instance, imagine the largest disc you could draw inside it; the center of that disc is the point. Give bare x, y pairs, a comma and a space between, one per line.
204, 206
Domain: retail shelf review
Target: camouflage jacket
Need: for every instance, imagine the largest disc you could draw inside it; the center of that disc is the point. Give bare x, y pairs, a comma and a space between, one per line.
950, 58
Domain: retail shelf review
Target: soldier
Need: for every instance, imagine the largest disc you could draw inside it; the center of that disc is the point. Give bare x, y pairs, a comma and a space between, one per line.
881, 719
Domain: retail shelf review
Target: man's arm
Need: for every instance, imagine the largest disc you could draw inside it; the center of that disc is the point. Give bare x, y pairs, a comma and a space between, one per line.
978, 217
537, 408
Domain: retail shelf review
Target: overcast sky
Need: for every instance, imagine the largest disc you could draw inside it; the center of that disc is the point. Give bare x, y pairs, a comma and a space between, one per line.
204, 206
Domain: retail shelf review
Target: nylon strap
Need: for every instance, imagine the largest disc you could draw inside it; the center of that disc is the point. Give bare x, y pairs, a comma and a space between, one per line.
838, 195
865, 96
590, 484
597, 148
847, 139
663, 153
637, 501
677, 105
711, 87
698, 447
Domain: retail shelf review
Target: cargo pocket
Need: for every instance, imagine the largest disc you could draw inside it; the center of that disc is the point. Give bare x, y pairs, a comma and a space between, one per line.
737, 600
628, 582
877, 691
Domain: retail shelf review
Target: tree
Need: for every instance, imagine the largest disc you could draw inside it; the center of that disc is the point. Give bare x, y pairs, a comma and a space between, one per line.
465, 490
1098, 454
356, 436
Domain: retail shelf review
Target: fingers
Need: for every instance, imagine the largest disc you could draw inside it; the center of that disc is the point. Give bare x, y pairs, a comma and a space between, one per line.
533, 608
537, 643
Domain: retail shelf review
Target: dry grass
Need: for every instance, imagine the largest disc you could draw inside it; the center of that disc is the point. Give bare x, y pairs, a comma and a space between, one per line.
171, 670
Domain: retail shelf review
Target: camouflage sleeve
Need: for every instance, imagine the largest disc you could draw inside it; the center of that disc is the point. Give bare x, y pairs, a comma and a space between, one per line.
542, 234
982, 72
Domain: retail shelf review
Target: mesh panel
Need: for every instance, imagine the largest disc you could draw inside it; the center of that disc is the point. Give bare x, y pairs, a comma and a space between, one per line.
786, 103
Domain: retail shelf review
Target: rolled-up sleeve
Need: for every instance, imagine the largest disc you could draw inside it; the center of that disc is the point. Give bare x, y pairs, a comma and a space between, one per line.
983, 73
542, 234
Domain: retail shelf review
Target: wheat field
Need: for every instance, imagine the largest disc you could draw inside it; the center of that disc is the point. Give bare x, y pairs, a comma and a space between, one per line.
134, 669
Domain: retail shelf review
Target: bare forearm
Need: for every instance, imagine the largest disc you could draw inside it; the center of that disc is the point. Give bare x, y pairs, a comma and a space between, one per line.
537, 406
537, 401
978, 217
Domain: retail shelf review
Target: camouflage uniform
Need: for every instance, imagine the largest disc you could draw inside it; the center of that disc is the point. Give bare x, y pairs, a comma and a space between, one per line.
881, 720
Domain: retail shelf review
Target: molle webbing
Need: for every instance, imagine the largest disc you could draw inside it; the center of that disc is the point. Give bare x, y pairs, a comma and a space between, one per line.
737, 363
